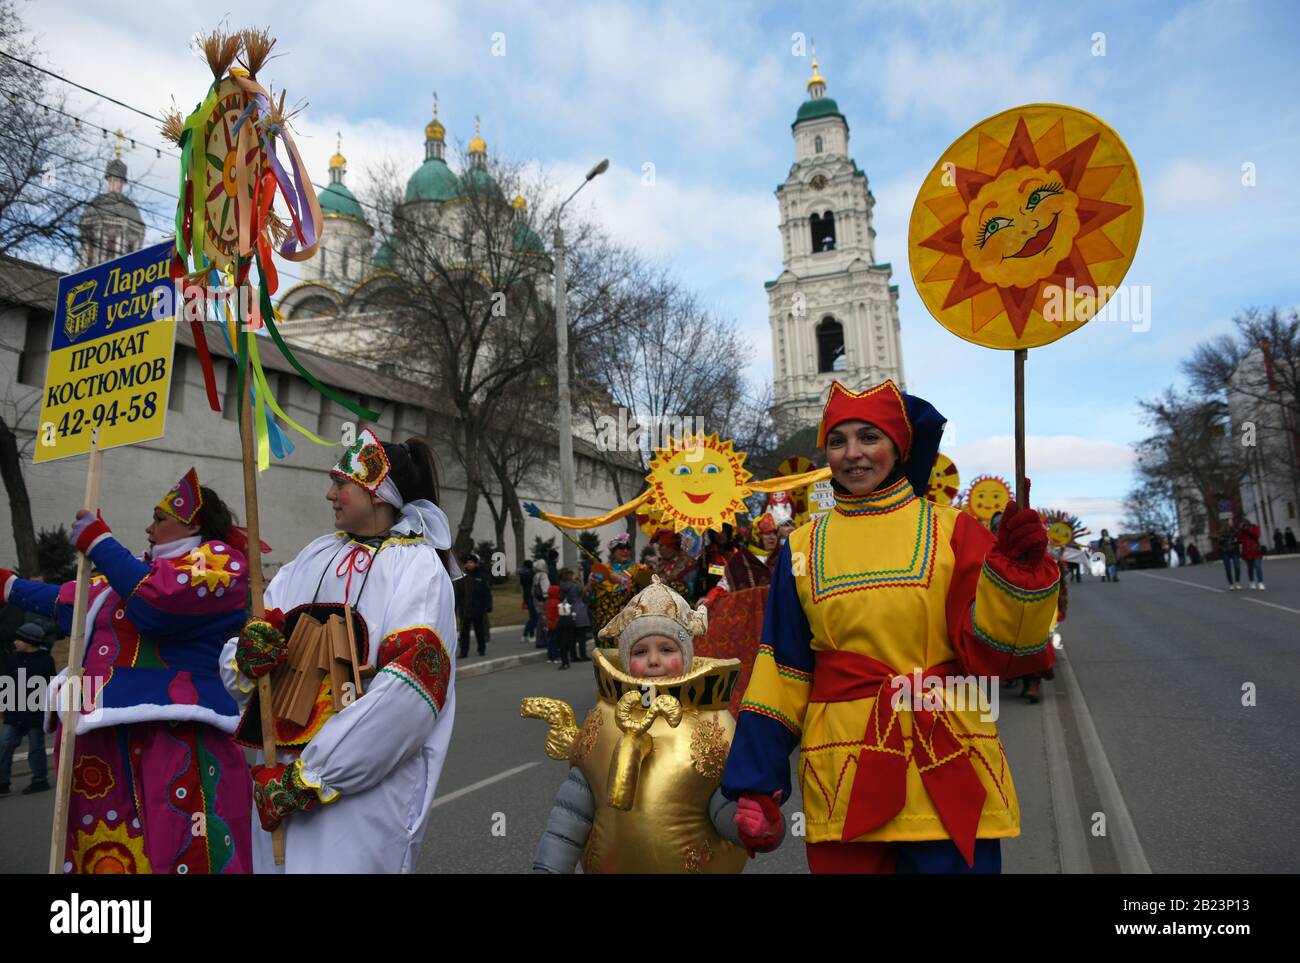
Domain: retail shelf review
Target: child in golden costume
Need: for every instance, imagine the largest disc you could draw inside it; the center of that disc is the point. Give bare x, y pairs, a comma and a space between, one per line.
643, 793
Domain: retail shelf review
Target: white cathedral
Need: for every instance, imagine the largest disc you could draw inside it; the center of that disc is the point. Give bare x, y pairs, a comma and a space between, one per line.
833, 311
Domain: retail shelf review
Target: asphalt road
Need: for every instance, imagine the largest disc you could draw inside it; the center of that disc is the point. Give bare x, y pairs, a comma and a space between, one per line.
1142, 756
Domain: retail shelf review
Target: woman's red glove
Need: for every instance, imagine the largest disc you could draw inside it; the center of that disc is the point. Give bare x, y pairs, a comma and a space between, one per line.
1022, 536
759, 822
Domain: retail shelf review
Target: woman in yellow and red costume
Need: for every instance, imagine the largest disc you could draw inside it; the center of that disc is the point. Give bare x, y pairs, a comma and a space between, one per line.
862, 597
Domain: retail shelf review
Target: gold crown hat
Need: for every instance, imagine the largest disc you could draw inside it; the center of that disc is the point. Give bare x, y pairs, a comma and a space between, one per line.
657, 610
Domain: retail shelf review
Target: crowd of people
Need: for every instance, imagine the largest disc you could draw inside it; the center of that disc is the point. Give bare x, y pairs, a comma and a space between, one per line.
356, 637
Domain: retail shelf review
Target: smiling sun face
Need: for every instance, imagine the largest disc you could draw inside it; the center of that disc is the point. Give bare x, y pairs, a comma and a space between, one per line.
987, 496
1060, 534
1025, 226
698, 483
1020, 226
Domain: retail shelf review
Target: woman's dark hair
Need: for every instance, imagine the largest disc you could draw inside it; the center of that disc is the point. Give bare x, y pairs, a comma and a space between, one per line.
214, 518
414, 470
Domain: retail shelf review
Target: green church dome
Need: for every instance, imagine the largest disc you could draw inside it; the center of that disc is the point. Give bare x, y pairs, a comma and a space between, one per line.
433, 181
526, 240
384, 257
478, 181
821, 107
339, 201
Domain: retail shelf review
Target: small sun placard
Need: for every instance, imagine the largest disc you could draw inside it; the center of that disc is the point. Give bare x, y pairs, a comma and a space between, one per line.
987, 495
945, 481
697, 482
1026, 226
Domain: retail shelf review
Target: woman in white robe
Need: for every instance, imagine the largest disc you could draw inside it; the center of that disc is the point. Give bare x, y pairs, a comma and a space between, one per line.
352, 788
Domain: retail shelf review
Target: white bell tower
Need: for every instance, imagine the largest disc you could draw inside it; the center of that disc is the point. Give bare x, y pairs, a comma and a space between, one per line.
833, 310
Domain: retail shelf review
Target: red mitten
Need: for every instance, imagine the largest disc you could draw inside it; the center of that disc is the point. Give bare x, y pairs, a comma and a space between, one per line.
759, 822
5, 576
1020, 553
279, 794
1022, 536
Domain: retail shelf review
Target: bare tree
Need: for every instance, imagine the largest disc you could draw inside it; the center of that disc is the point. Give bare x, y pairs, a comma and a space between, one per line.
45, 182
13, 453
668, 367
1150, 508
1260, 363
45, 179
1192, 448
468, 304
520, 442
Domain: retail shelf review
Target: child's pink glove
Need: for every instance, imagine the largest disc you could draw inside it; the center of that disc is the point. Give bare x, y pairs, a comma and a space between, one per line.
759, 822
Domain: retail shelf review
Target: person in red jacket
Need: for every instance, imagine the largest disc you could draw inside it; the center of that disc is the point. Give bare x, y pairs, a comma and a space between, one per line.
1248, 536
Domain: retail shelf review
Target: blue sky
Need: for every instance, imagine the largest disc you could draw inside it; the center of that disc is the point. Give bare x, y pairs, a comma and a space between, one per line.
706, 94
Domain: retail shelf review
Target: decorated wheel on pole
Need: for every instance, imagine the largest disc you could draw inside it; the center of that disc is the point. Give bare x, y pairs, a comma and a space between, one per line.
945, 482
232, 174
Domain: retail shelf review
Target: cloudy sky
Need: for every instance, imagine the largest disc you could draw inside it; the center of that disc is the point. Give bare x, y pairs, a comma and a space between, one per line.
706, 93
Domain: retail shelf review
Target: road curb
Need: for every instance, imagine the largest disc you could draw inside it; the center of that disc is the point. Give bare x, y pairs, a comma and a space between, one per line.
469, 670
1072, 842
1125, 840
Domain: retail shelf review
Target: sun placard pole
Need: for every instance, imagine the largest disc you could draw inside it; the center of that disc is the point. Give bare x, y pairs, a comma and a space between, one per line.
1022, 354
72, 686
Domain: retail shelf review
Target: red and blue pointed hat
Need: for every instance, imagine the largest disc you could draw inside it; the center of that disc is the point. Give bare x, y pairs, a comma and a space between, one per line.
912, 424
185, 499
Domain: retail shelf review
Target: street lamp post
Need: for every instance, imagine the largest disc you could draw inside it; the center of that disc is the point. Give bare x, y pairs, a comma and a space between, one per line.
567, 482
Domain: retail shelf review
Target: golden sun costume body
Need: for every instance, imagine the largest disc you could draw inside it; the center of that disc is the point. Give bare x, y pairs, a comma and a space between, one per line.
643, 794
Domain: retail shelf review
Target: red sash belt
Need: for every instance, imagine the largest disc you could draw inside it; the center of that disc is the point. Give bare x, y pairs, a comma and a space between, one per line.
880, 784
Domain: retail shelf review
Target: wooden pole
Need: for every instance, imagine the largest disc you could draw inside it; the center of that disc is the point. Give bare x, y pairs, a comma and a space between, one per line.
256, 607
71, 691
1021, 355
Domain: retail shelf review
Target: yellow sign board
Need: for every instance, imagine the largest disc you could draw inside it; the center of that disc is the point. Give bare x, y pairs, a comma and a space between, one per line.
110, 356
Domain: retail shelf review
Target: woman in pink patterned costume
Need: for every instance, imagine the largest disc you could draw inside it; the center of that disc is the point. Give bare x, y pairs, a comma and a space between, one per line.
158, 785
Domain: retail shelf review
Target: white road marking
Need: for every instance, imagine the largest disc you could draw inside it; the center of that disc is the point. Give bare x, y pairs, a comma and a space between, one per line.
1128, 847
1072, 843
1273, 605
1180, 581
472, 787
1208, 588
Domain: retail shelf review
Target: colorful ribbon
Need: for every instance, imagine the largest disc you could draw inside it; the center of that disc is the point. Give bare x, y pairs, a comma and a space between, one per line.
259, 175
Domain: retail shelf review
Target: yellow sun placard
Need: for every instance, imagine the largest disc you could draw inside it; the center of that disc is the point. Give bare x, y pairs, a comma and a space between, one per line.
986, 496
698, 482
1063, 529
1026, 226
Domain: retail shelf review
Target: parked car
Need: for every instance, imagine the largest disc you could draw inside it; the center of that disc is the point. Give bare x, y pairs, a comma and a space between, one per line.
1145, 550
